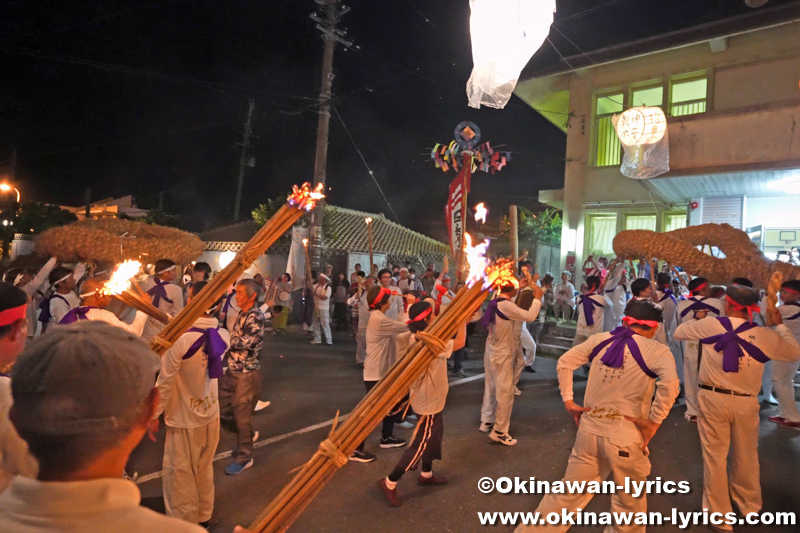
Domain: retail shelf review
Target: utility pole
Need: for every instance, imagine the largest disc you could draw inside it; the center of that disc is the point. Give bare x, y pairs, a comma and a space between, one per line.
326, 20
243, 161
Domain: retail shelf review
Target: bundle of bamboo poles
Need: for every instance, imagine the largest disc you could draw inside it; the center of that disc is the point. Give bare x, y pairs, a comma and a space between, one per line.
136, 301
302, 199
333, 452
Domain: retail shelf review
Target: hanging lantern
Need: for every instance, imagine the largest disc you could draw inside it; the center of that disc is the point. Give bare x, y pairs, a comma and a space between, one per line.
505, 34
643, 134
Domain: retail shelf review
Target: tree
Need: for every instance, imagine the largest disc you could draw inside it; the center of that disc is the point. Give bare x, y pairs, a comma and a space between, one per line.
36, 217
544, 226
264, 212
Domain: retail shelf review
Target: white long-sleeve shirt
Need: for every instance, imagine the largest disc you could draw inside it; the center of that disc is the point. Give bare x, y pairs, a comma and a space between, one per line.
670, 313
618, 294
189, 398
597, 315
153, 327
778, 344
613, 393
684, 304
103, 315
381, 347
503, 337
59, 307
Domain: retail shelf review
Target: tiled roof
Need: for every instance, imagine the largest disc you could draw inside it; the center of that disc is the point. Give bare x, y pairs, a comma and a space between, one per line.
345, 231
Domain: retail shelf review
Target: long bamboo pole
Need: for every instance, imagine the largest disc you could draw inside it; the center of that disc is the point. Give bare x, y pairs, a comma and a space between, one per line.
332, 454
129, 297
275, 227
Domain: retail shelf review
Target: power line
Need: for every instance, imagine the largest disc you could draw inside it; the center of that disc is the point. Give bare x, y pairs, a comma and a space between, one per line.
369, 170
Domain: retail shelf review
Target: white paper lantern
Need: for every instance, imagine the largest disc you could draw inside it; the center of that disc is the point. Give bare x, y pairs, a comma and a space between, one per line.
505, 34
225, 258
641, 125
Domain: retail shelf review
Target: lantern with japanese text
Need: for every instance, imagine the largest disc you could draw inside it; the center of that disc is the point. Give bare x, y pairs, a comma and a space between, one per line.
643, 134
504, 34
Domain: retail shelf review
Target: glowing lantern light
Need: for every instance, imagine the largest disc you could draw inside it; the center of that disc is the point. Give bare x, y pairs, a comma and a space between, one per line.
505, 34
226, 258
641, 125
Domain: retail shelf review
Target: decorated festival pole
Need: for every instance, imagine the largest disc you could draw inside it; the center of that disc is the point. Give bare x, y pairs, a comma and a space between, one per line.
466, 178
301, 200
334, 451
368, 222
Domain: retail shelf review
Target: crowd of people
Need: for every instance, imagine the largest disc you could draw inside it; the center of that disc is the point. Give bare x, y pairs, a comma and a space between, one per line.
644, 339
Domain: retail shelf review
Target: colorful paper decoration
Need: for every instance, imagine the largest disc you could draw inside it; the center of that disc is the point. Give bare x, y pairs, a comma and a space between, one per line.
483, 158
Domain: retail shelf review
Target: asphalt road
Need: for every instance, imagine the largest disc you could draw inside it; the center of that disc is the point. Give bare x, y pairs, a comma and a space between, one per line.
308, 384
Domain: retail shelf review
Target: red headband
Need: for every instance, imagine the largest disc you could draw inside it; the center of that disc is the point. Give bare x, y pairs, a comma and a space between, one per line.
421, 316
740, 307
698, 289
650, 323
790, 290
383, 292
9, 316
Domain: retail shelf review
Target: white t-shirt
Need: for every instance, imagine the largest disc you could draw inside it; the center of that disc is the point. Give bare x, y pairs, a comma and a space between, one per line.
597, 316
429, 391
153, 327
612, 393
323, 290
381, 348
501, 343
60, 307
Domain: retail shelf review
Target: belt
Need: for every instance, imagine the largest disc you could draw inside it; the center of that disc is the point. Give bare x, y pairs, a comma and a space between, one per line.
725, 391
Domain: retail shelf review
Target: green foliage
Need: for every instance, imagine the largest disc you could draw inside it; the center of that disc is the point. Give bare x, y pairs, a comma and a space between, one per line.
544, 226
156, 217
39, 216
264, 212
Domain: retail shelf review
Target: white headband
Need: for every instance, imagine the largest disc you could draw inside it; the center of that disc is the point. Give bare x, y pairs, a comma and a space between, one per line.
166, 269
86, 295
62, 279
18, 278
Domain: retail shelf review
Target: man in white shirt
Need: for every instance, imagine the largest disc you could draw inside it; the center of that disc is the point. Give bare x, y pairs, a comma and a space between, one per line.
442, 293
82, 427
665, 297
396, 306
500, 320
164, 293
591, 311
734, 351
63, 299
565, 298
620, 416
617, 292
322, 311
699, 305
188, 389
784, 372
93, 307
15, 459
643, 289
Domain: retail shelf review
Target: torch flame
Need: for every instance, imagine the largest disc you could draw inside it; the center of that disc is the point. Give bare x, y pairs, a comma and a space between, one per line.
476, 258
491, 275
480, 213
368, 220
304, 197
121, 277
305, 242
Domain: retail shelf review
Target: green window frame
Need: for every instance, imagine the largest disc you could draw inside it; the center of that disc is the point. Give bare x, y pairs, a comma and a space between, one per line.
688, 95
608, 149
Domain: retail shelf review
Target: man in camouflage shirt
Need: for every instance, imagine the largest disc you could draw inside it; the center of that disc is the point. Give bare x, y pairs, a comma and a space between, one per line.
240, 387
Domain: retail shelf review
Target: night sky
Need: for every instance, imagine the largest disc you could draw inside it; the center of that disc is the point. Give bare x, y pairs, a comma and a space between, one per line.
149, 97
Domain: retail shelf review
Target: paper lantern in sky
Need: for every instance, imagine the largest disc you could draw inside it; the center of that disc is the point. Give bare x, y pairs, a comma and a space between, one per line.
643, 134
505, 34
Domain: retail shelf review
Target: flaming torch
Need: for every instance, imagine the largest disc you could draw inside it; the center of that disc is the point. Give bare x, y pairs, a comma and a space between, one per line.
368, 222
480, 213
119, 286
301, 200
334, 451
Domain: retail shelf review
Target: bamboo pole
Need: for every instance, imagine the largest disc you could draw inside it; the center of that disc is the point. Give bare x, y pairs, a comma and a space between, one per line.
333, 453
275, 227
129, 297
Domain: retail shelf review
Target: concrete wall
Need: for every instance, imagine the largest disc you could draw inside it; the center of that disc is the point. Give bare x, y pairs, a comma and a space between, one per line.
773, 212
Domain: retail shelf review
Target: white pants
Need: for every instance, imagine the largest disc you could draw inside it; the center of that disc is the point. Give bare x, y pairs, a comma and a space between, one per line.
729, 423
593, 458
783, 384
766, 381
322, 320
498, 392
361, 345
690, 376
189, 472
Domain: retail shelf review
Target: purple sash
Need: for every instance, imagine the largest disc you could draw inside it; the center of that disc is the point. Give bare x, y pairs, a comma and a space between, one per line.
227, 303
212, 345
159, 292
589, 304
79, 313
44, 306
730, 344
491, 313
793, 317
668, 293
615, 355
698, 305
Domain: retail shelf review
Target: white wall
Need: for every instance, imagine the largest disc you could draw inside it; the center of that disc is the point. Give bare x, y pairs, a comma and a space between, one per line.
773, 212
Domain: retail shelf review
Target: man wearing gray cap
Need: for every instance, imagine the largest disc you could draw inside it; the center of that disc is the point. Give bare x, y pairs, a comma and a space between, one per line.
83, 398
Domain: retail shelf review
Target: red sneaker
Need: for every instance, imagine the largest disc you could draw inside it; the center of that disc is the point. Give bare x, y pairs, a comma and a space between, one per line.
433, 480
777, 419
389, 494
789, 424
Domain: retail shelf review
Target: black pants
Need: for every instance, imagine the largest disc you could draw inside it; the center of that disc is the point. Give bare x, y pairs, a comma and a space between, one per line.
395, 416
340, 314
426, 446
458, 359
238, 395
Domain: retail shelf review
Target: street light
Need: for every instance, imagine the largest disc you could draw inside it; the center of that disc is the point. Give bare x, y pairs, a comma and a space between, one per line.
5, 187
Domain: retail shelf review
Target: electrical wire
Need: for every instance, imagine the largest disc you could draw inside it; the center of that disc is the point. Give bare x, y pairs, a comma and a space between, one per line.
369, 170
